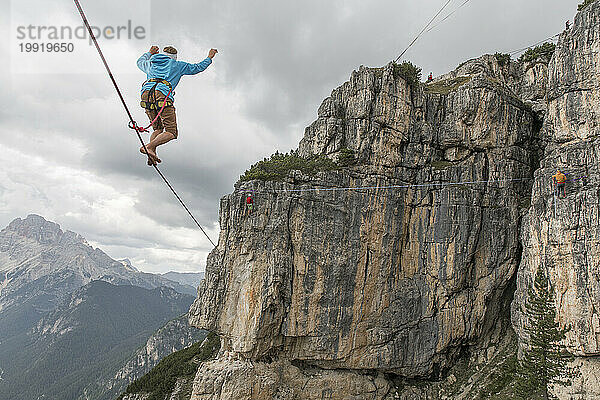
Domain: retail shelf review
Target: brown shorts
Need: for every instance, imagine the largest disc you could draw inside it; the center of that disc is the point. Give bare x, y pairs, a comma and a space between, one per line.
167, 120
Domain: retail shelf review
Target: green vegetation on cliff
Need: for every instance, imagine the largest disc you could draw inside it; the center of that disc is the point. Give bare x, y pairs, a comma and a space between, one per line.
278, 166
544, 50
584, 4
409, 72
347, 157
181, 365
502, 58
474, 378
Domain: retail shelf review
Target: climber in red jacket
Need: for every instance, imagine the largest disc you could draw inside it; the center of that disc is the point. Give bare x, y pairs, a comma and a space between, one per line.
249, 203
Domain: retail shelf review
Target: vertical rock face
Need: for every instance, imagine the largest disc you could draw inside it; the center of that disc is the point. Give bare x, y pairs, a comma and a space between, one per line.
562, 235
350, 289
387, 280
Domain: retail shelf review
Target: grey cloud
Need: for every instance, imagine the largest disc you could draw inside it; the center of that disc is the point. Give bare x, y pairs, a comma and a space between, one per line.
277, 62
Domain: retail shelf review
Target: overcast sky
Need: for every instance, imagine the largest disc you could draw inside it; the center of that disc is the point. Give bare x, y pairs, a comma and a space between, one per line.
66, 153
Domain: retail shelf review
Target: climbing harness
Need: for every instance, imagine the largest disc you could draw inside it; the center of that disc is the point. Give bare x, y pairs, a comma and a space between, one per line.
132, 124
153, 104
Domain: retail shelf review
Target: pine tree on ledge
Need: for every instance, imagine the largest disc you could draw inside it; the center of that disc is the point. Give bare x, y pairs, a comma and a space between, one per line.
545, 360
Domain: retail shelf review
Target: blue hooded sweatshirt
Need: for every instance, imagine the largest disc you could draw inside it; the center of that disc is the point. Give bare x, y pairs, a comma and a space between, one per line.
160, 66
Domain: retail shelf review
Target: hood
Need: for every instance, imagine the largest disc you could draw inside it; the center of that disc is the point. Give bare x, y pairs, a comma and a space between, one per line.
160, 60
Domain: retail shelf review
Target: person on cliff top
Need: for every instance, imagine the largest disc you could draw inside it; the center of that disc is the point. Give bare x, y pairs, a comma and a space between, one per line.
249, 203
560, 180
430, 77
163, 74
567, 25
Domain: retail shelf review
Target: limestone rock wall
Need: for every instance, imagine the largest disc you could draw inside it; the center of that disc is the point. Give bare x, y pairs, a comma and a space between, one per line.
382, 280
562, 234
326, 293
282, 380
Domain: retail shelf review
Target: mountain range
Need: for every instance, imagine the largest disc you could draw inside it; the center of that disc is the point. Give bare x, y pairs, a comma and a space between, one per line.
73, 320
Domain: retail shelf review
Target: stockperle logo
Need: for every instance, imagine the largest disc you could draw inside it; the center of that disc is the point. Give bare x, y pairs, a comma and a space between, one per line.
51, 38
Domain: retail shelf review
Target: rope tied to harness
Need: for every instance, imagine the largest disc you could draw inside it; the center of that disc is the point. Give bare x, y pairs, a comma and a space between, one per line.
140, 129
153, 104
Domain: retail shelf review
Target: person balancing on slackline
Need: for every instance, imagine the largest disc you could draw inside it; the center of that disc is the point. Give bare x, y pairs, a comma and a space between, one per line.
163, 74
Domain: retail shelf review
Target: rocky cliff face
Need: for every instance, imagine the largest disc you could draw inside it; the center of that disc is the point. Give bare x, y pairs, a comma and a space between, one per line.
562, 234
342, 294
359, 283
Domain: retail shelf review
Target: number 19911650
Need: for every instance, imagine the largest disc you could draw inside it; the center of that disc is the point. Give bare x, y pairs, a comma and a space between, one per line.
47, 47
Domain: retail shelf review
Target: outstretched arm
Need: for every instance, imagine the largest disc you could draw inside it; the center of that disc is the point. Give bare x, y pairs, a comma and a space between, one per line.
143, 62
193, 69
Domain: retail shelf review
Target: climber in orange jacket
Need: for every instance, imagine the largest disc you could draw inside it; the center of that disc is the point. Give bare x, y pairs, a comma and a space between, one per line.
560, 182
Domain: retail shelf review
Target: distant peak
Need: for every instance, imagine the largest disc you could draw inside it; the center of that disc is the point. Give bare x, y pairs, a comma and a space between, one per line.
32, 219
37, 228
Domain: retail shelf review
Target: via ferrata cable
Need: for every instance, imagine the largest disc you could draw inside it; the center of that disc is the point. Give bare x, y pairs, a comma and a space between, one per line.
132, 124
